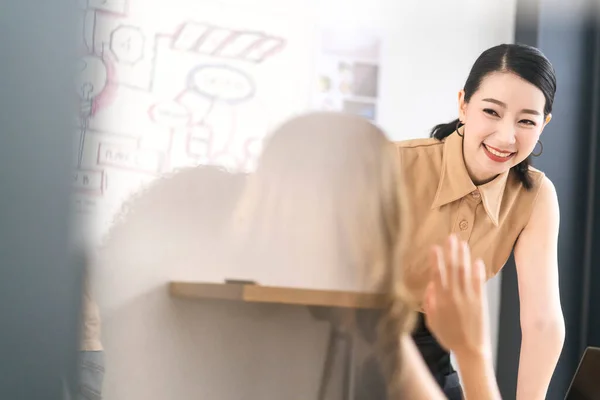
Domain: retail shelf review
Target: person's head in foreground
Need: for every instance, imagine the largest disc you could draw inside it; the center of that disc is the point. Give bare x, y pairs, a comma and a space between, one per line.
322, 209
503, 108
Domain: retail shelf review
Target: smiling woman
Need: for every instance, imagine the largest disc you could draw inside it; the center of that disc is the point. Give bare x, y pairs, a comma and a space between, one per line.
505, 117
473, 178
507, 150
506, 102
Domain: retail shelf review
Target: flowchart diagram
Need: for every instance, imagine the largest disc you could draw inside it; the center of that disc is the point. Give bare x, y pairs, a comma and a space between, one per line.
157, 94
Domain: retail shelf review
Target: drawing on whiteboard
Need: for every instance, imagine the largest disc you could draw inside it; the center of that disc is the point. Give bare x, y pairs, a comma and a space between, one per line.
89, 181
109, 30
170, 114
221, 82
95, 88
213, 87
127, 44
221, 42
175, 93
129, 158
216, 84
93, 79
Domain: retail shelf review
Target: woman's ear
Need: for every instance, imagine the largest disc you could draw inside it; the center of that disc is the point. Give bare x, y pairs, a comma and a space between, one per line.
462, 106
546, 121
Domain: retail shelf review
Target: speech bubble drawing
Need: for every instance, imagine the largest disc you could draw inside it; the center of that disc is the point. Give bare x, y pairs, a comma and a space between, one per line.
221, 82
170, 114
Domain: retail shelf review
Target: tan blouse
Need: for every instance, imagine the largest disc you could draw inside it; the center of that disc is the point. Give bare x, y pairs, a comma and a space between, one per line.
443, 199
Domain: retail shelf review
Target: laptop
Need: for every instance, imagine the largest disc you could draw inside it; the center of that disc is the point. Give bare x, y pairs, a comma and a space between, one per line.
586, 382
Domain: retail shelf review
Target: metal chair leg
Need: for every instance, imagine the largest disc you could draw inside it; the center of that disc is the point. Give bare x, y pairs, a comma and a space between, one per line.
329, 363
349, 370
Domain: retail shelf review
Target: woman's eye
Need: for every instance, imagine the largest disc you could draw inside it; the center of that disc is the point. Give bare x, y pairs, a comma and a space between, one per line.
490, 112
527, 122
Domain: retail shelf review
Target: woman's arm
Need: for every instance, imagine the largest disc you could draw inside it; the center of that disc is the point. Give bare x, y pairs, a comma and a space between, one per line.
479, 381
478, 375
416, 380
542, 323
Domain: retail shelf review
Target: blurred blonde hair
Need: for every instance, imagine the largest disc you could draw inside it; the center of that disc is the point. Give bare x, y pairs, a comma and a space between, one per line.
328, 190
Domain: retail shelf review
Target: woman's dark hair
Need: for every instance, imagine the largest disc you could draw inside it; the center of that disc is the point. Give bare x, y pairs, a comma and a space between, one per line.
525, 61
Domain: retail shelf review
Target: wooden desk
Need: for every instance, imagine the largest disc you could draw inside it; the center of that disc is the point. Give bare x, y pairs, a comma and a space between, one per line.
252, 293
333, 306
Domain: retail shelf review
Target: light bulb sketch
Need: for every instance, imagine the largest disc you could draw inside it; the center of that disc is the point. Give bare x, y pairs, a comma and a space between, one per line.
93, 78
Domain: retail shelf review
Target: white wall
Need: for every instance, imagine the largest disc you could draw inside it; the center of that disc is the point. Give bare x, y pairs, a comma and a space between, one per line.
158, 348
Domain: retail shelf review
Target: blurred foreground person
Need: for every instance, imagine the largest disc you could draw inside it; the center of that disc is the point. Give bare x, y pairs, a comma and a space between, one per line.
170, 230
325, 209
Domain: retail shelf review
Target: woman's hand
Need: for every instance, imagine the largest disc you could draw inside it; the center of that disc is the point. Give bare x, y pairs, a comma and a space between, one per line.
456, 313
456, 303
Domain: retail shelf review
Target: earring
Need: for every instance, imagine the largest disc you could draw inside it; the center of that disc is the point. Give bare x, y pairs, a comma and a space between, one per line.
458, 126
541, 150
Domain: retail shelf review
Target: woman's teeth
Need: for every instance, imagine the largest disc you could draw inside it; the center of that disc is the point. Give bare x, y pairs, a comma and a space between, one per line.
496, 152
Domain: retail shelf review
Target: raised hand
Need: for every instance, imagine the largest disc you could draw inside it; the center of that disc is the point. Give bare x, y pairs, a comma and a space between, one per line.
455, 306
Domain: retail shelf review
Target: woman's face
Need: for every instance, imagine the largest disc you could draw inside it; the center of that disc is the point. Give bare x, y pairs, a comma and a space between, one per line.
503, 122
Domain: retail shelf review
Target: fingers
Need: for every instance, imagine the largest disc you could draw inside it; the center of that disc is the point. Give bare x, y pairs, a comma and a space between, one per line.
455, 299
439, 270
454, 269
464, 269
452, 260
430, 300
478, 279
453, 273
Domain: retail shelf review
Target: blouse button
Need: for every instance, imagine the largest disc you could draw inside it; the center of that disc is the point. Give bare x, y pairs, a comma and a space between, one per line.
463, 225
476, 194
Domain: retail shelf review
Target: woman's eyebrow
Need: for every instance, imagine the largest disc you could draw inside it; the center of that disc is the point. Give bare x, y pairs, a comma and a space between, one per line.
503, 105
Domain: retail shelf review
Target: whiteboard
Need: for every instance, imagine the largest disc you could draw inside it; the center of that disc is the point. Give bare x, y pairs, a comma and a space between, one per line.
164, 87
